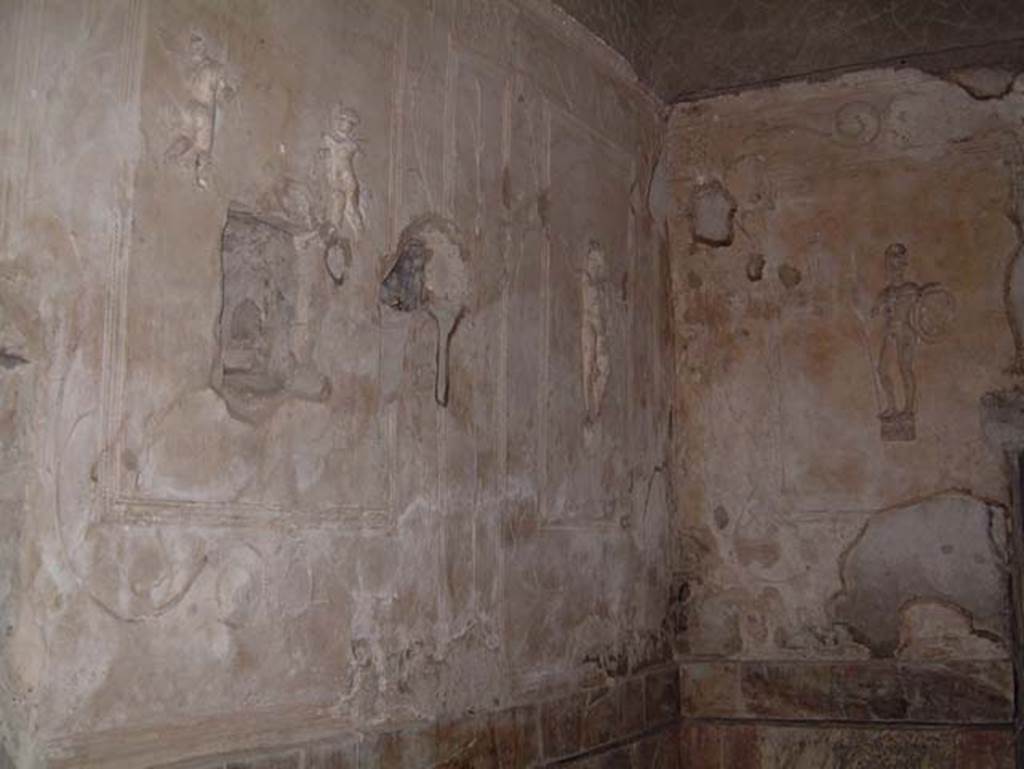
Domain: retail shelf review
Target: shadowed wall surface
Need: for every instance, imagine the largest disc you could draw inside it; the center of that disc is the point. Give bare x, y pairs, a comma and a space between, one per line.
684, 48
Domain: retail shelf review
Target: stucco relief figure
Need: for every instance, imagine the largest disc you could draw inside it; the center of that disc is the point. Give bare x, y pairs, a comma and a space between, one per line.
593, 332
911, 313
342, 205
311, 251
339, 150
208, 86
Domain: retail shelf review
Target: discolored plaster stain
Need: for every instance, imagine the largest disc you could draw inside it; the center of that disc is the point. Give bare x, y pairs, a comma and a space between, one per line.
506, 188
789, 276
544, 208
892, 562
264, 353
764, 552
10, 360
709, 309
712, 209
429, 272
675, 622
755, 267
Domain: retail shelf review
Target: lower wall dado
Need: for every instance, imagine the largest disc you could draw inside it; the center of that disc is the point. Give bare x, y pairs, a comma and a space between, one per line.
847, 715
630, 724
701, 715
473, 743
963, 692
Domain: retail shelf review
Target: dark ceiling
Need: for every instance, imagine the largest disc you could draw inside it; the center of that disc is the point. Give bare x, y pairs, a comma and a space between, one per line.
687, 48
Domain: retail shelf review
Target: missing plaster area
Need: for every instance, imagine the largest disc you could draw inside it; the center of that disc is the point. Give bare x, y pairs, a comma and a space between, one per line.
983, 83
264, 355
755, 267
712, 211
11, 360
430, 272
945, 551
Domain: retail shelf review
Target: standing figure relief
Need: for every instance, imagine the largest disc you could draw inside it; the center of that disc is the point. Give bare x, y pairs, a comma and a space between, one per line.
344, 218
911, 313
208, 87
339, 150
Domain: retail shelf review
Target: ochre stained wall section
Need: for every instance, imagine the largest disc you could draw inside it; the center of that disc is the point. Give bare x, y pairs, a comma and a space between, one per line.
847, 286
846, 282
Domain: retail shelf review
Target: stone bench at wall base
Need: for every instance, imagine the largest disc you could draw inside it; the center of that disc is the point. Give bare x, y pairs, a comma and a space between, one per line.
870, 714
631, 724
962, 692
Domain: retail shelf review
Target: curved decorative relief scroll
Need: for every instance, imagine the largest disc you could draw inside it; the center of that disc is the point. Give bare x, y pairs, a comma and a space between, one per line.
134, 574
240, 585
856, 123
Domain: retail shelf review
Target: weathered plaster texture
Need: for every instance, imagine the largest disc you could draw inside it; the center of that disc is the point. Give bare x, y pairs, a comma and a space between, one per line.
247, 497
837, 493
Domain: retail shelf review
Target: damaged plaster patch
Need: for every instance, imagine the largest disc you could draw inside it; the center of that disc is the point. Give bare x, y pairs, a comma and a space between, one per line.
262, 358
983, 82
713, 209
932, 630
1002, 418
9, 360
755, 267
790, 276
945, 549
429, 272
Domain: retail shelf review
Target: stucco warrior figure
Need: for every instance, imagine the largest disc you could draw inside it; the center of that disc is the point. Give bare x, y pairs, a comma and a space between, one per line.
208, 86
911, 313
